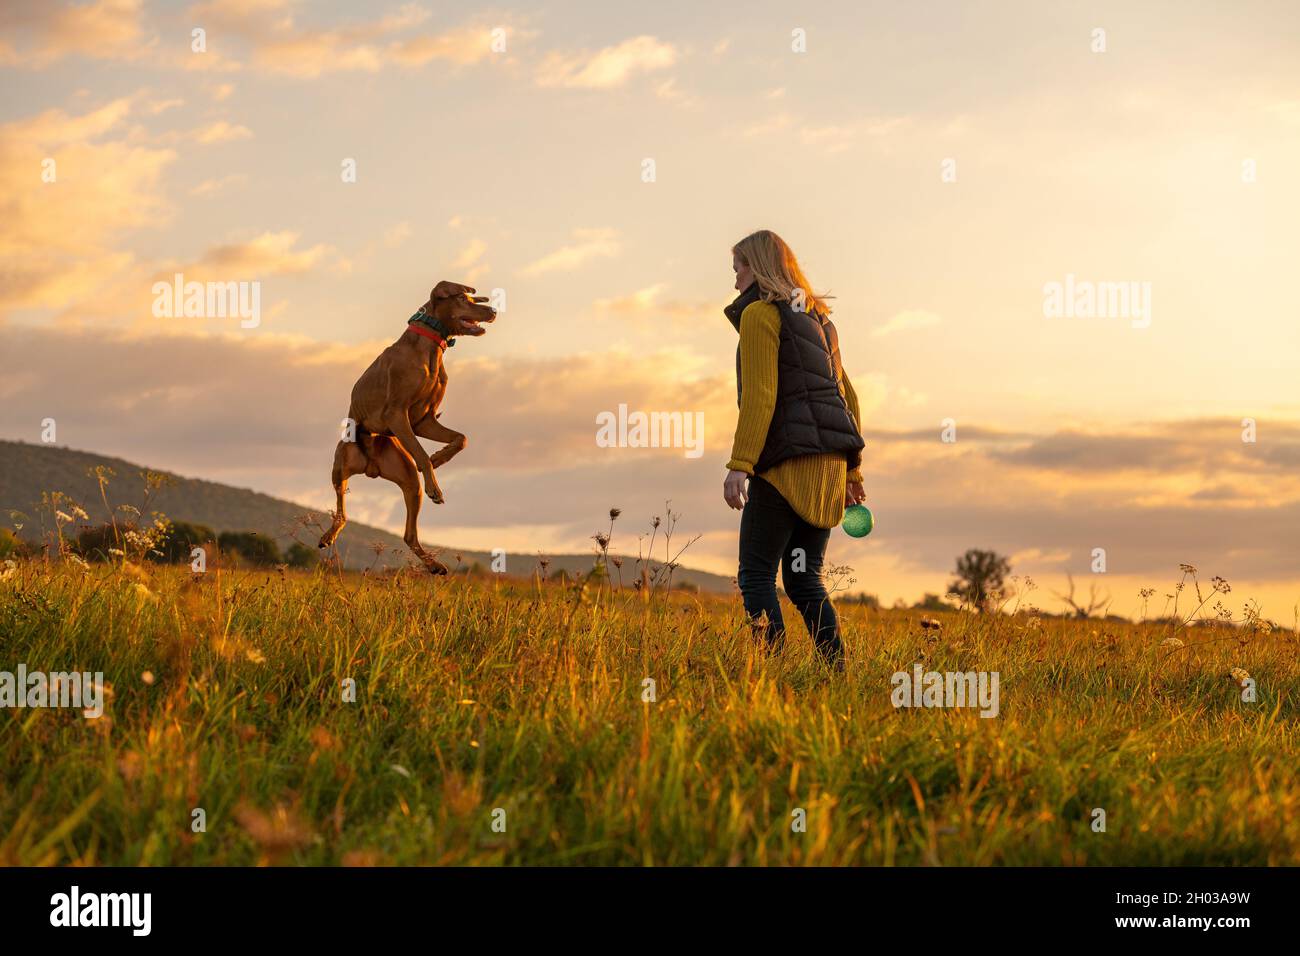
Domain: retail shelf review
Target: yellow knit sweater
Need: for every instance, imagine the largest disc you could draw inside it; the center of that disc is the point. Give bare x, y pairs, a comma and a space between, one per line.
812, 484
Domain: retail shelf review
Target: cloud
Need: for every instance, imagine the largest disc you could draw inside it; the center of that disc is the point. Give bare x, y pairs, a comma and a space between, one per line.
468, 256
268, 407
271, 253
910, 398
1079, 451
161, 106
397, 235
904, 321
221, 132
829, 138
590, 244
50, 31
468, 266
464, 46
669, 93
262, 401
610, 67
650, 301
210, 187
640, 301
278, 43
59, 240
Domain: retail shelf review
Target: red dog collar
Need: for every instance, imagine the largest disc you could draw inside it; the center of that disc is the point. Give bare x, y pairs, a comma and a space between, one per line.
428, 334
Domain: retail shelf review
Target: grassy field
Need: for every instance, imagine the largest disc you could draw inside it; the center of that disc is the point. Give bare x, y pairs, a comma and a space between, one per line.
479, 696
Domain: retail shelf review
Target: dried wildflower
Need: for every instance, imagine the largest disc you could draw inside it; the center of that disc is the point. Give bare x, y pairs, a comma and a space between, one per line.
614, 513
930, 624
1171, 642
130, 765
1240, 675
322, 739
277, 832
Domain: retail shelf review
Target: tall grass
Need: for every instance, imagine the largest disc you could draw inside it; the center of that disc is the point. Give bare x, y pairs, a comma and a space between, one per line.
477, 696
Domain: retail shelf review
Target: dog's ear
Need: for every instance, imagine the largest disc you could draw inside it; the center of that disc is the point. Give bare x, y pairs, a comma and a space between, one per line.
448, 290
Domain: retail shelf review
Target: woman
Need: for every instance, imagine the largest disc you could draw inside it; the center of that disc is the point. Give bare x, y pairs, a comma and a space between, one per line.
797, 443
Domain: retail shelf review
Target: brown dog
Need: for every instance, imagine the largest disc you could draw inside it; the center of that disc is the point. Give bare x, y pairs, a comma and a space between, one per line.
397, 399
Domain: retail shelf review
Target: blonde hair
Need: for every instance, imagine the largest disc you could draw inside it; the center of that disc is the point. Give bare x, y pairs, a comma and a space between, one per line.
777, 272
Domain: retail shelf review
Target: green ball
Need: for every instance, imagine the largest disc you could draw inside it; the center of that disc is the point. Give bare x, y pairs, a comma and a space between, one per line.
858, 521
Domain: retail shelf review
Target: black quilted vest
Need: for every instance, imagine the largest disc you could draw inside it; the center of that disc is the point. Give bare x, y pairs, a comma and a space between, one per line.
810, 417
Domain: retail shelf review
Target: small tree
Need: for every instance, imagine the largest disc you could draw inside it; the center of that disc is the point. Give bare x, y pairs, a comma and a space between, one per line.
10, 544
94, 542
301, 556
1096, 603
931, 602
980, 576
250, 547
181, 540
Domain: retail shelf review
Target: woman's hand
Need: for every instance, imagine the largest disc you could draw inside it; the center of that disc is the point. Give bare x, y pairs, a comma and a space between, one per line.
854, 494
733, 489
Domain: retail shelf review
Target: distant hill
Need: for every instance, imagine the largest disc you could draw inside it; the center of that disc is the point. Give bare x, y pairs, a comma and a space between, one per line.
27, 470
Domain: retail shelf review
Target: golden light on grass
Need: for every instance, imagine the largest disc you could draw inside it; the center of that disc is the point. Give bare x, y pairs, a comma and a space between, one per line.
482, 694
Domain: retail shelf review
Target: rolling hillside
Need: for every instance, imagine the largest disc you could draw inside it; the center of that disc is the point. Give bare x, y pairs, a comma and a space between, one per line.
27, 470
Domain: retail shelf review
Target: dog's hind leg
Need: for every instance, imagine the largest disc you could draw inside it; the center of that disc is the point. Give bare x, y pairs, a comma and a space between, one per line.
348, 461
397, 466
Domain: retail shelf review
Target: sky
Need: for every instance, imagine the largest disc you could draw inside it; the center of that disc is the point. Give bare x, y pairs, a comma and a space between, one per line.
936, 167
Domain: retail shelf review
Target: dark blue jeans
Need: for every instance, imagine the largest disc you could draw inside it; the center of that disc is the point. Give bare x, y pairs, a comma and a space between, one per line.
772, 533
